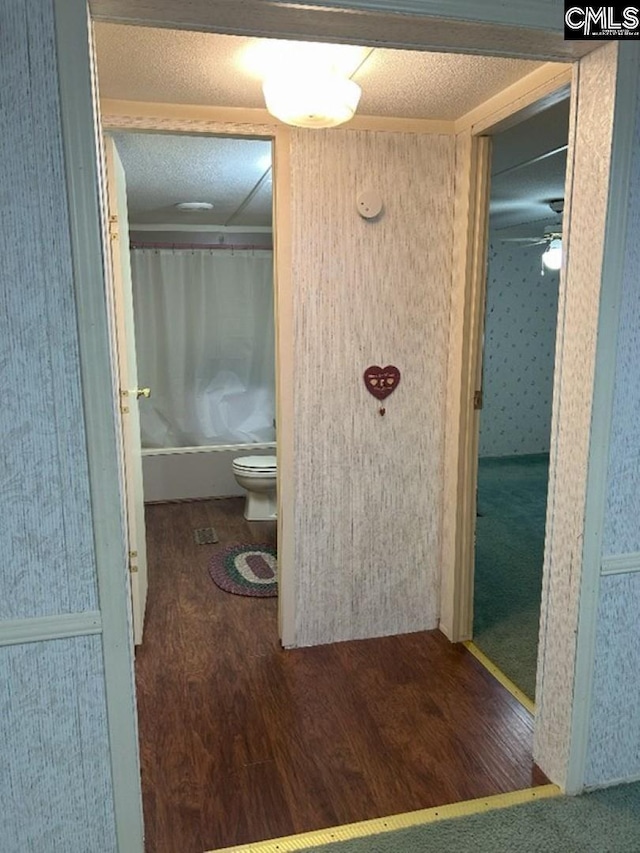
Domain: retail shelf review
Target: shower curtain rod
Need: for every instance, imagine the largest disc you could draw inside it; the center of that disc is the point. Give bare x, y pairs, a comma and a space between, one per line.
136, 244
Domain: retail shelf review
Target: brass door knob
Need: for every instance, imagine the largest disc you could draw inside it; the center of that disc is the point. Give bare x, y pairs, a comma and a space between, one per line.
143, 392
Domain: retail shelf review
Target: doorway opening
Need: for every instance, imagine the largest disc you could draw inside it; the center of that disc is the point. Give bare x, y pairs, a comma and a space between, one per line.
351, 753
192, 253
514, 399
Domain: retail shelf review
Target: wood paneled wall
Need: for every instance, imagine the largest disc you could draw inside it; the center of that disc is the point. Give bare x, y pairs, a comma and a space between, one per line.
368, 488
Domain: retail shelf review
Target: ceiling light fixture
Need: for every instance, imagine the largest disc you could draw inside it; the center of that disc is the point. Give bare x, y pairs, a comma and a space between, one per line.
552, 255
319, 99
194, 206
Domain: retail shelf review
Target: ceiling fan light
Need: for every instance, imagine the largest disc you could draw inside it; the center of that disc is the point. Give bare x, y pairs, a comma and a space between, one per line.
552, 256
318, 100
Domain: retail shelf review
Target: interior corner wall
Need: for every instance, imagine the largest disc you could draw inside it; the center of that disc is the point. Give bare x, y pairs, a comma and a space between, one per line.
518, 355
55, 781
589, 154
614, 735
368, 487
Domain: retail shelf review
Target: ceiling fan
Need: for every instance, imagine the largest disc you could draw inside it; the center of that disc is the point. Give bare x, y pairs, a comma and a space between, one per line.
551, 232
551, 239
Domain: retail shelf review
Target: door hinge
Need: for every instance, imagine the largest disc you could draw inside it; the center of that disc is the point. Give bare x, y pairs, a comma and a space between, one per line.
124, 409
477, 400
113, 228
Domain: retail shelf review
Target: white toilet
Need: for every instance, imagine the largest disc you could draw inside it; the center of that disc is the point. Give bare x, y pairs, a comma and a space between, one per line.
257, 474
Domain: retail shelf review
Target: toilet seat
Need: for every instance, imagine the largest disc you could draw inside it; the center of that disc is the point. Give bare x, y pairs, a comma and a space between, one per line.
256, 466
258, 475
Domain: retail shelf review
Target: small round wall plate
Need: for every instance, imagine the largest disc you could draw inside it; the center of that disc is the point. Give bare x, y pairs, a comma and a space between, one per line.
369, 204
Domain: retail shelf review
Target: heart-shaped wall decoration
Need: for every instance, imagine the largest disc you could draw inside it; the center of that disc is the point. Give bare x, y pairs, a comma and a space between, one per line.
381, 381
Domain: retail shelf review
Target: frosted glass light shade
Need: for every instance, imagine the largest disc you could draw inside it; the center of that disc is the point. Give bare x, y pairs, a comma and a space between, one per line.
552, 256
322, 100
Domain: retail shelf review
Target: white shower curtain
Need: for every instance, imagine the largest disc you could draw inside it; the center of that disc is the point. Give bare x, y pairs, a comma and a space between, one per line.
205, 345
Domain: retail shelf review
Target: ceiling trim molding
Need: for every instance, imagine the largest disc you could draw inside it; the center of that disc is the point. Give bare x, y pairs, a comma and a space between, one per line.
391, 124
185, 118
516, 13
502, 110
400, 24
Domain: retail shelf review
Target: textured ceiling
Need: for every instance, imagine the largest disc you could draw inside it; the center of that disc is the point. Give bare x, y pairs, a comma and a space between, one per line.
163, 170
528, 171
159, 65
144, 64
520, 201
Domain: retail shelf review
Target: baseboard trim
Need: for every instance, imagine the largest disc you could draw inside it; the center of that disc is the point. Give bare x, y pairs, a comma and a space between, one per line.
39, 629
621, 564
377, 826
499, 675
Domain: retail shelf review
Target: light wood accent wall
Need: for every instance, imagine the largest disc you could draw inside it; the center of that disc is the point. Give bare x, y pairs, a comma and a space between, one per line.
368, 488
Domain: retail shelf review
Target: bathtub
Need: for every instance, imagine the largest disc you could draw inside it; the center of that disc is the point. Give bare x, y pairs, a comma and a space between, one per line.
178, 473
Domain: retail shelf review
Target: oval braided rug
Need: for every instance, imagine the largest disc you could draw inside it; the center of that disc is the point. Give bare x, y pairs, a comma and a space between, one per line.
245, 570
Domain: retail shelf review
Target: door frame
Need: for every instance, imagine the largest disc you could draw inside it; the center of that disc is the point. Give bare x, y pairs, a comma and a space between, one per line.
473, 148
123, 359
115, 116
592, 271
79, 148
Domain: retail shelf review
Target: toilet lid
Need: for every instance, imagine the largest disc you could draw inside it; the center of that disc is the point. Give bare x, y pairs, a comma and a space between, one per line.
256, 463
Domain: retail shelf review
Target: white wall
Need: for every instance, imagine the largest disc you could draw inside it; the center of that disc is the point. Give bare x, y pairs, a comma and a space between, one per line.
519, 348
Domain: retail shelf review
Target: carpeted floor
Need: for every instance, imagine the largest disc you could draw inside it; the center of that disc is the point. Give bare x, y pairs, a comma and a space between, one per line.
512, 495
602, 822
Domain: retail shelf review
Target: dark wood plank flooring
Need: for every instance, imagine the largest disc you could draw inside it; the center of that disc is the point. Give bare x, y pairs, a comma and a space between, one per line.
242, 741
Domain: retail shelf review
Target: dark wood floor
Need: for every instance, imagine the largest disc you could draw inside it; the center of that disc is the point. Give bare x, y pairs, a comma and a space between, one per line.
242, 741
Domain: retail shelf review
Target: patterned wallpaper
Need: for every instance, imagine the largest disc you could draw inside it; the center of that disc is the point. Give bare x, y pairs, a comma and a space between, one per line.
519, 346
614, 733
47, 555
55, 793
614, 738
369, 509
55, 782
590, 141
622, 530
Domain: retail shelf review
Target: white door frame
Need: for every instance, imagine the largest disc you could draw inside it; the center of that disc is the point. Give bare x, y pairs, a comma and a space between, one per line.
125, 366
79, 145
162, 118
